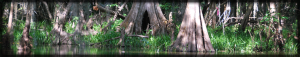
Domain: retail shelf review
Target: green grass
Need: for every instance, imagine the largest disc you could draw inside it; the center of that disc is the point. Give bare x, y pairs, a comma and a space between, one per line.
100, 37
242, 41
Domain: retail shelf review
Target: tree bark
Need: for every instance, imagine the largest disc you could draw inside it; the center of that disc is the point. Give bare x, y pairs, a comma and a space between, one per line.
78, 12
69, 10
61, 36
108, 26
246, 17
9, 25
136, 23
207, 44
25, 42
211, 14
110, 11
48, 11
280, 40
143, 16
193, 33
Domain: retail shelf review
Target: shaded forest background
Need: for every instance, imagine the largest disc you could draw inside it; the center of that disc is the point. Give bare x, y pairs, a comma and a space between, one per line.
232, 25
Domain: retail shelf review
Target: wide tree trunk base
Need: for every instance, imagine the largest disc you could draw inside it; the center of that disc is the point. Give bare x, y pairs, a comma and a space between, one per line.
193, 35
143, 14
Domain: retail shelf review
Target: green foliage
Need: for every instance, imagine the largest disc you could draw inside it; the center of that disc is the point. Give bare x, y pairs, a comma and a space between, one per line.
239, 9
57, 5
268, 17
124, 15
70, 26
100, 37
41, 34
231, 40
91, 15
167, 6
116, 23
112, 5
96, 27
290, 44
160, 42
242, 42
294, 26
18, 31
38, 32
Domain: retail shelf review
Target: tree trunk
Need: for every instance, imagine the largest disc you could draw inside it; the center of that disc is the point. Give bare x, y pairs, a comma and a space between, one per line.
279, 38
211, 16
48, 11
193, 33
245, 20
25, 41
207, 44
61, 37
9, 25
76, 36
142, 14
66, 12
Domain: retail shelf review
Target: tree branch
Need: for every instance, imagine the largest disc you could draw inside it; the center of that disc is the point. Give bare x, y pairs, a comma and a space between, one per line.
47, 8
121, 7
111, 12
113, 20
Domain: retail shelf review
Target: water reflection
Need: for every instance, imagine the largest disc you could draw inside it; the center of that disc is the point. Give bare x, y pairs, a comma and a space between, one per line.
121, 51
23, 52
68, 50
88, 50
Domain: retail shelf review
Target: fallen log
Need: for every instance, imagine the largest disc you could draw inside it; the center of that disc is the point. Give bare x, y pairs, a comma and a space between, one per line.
110, 11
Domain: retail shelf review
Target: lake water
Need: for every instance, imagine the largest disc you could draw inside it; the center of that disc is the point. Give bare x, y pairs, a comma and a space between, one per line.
89, 50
